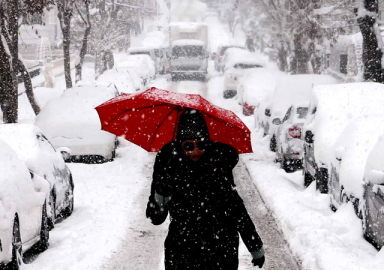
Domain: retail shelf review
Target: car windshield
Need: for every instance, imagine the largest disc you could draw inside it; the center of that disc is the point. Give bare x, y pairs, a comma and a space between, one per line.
246, 66
302, 112
190, 51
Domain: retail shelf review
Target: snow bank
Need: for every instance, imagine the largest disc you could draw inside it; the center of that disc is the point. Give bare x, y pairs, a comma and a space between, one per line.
336, 106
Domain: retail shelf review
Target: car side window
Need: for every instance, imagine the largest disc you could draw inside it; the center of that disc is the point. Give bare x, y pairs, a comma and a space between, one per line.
288, 114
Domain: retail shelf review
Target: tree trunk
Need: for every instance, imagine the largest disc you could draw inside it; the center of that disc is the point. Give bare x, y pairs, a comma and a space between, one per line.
8, 82
300, 60
65, 23
67, 53
8, 93
372, 52
28, 86
84, 46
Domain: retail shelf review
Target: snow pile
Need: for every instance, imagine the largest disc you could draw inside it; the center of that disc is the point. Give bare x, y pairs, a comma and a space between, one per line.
353, 147
336, 106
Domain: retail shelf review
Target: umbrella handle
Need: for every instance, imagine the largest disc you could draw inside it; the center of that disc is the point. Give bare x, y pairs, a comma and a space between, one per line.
176, 123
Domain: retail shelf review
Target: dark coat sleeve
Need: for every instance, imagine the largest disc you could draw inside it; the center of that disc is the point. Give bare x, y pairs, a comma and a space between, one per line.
245, 226
160, 184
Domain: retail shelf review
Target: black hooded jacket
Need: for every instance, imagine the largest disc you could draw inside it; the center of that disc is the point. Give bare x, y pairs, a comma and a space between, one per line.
206, 212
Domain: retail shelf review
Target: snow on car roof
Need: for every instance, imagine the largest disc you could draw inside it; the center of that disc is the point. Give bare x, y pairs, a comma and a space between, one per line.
296, 90
73, 113
235, 56
22, 139
40, 157
336, 105
188, 26
123, 78
135, 60
140, 49
258, 83
353, 147
188, 42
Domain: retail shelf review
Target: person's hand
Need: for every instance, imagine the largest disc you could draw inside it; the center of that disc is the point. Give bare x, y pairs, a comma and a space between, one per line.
258, 262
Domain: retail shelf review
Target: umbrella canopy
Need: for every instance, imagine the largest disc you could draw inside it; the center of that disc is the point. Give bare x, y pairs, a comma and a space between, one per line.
149, 119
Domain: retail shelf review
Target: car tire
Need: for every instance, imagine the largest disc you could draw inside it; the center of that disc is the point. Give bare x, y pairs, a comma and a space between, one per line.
52, 204
307, 179
71, 200
272, 143
44, 231
17, 248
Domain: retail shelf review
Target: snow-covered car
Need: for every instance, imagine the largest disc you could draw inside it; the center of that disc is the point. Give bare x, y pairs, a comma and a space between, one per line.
290, 107
263, 114
125, 79
373, 215
331, 109
255, 86
219, 55
142, 64
237, 61
347, 166
23, 208
72, 121
38, 154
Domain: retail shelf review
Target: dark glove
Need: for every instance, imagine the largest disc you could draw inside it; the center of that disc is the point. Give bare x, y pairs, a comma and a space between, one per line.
258, 257
259, 262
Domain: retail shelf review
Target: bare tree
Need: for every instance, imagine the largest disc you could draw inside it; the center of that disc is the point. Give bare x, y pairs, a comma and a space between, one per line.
65, 13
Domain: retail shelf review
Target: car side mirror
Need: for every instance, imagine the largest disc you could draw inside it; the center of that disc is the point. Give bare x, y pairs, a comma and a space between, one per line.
276, 121
65, 153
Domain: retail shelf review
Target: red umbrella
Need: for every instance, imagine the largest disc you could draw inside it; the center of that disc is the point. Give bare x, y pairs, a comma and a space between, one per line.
149, 119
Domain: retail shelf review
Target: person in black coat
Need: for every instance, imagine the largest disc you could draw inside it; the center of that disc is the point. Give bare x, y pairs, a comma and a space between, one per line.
193, 181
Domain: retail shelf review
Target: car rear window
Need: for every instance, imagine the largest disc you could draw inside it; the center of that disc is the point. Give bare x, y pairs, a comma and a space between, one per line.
188, 51
302, 112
